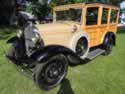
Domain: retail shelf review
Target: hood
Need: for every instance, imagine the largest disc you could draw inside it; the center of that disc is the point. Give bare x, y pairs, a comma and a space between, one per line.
62, 26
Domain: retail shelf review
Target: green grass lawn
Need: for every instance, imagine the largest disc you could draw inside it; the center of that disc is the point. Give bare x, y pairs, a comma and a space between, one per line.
103, 75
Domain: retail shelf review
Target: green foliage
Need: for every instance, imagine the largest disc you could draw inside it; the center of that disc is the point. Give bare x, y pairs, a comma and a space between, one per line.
29, 7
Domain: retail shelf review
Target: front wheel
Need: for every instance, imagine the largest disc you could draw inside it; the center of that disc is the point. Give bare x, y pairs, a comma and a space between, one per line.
48, 75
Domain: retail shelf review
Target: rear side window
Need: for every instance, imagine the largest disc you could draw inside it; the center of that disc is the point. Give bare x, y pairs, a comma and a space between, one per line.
113, 16
92, 16
105, 16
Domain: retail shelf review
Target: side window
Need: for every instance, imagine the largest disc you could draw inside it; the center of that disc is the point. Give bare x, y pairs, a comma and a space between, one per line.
105, 16
92, 16
113, 16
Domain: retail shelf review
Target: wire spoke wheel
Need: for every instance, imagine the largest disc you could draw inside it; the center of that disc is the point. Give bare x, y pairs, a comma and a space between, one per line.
108, 46
51, 73
81, 47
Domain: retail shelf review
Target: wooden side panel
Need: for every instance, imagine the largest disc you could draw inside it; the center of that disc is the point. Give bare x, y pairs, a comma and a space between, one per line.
113, 28
93, 32
103, 29
98, 32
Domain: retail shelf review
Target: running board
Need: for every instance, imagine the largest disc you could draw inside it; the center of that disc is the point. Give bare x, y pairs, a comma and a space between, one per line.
93, 54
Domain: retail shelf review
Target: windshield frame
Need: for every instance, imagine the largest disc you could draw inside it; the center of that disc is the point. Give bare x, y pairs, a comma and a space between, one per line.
56, 15
68, 7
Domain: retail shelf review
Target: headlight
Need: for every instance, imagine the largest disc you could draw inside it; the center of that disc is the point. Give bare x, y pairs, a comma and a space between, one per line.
19, 33
34, 40
37, 35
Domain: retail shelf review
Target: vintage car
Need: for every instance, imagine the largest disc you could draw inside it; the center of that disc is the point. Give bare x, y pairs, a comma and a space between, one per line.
79, 32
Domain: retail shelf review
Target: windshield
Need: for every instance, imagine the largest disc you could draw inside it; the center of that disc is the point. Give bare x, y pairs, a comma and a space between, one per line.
69, 15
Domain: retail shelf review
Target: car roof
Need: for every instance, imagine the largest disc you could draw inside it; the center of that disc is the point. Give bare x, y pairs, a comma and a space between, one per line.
81, 5
103, 5
66, 7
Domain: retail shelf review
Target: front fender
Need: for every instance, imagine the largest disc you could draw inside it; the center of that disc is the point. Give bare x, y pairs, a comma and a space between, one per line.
47, 52
13, 39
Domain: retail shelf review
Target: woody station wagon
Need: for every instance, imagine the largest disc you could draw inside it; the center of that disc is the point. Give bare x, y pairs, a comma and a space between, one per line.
78, 32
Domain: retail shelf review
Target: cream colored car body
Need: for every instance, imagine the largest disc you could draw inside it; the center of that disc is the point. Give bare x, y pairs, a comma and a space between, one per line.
59, 33
64, 33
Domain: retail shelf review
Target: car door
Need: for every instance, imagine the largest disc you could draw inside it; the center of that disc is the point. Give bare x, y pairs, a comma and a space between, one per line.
91, 27
103, 23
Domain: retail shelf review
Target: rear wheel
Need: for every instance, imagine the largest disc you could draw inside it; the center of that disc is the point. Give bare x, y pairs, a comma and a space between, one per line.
108, 46
49, 74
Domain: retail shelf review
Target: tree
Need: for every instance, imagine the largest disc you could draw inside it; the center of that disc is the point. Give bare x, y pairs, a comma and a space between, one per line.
7, 8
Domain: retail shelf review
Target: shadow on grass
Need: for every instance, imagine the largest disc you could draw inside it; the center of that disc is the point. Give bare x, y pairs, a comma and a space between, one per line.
6, 32
65, 88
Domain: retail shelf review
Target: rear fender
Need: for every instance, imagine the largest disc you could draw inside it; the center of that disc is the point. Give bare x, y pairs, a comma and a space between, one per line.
110, 35
46, 53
